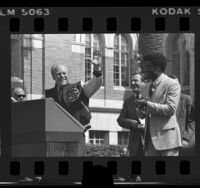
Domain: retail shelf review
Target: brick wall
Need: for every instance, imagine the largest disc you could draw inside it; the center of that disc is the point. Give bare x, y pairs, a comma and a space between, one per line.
77, 67
57, 50
37, 71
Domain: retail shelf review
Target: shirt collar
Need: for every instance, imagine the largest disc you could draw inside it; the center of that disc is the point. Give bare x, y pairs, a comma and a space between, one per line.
158, 80
58, 87
134, 94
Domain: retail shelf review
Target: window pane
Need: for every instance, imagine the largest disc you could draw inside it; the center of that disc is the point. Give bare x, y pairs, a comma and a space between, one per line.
96, 42
116, 61
97, 141
116, 70
116, 42
97, 137
121, 58
88, 40
88, 68
123, 138
124, 44
125, 75
116, 58
124, 58
116, 75
87, 53
116, 55
116, 82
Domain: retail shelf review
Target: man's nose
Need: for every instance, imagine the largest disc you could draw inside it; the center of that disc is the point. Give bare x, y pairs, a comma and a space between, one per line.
62, 75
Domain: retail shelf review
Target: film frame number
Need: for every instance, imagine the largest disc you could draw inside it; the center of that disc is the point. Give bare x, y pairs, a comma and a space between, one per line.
35, 12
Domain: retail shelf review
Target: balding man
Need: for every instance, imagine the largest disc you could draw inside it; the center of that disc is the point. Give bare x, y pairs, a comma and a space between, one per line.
74, 98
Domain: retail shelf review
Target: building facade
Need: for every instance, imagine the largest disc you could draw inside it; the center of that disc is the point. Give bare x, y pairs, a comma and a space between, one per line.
33, 55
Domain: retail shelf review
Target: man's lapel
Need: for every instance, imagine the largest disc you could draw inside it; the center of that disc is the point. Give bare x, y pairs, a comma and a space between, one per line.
159, 90
145, 92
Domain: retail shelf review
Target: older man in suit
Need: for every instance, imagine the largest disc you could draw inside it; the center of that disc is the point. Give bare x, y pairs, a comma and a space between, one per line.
74, 97
130, 119
162, 134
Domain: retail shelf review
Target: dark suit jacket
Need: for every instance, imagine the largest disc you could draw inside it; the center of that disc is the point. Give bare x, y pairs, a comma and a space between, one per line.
128, 119
183, 115
189, 135
78, 108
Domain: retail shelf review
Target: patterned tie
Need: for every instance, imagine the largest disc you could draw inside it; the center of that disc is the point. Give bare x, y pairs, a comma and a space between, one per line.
151, 90
60, 95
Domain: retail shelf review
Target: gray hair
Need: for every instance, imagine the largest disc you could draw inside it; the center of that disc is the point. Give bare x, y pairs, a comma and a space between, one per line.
53, 68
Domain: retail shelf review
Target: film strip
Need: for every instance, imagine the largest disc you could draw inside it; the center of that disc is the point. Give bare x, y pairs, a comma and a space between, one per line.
33, 150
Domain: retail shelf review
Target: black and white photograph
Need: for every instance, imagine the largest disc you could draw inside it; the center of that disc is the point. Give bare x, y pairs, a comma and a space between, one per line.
102, 95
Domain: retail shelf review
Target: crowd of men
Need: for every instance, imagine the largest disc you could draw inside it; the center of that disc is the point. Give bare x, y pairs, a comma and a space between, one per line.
158, 115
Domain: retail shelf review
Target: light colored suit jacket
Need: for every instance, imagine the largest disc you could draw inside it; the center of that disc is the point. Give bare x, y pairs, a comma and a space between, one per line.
162, 106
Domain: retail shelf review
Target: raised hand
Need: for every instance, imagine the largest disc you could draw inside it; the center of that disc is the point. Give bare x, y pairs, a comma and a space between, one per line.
96, 60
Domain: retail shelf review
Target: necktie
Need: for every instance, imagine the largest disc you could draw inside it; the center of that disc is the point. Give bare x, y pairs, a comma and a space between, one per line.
60, 95
151, 90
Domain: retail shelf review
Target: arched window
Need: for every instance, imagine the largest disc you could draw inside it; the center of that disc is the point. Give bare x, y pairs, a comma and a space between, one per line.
121, 61
92, 41
181, 61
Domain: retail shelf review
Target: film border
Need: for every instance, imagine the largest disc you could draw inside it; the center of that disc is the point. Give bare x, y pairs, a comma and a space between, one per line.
122, 25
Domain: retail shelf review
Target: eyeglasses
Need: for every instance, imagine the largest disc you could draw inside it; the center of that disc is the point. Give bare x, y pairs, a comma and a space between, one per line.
21, 96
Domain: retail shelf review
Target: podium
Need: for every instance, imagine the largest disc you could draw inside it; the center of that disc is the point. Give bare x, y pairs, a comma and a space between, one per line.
42, 128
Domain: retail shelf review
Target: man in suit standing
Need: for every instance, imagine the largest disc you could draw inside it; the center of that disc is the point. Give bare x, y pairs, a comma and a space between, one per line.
185, 121
162, 134
129, 119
